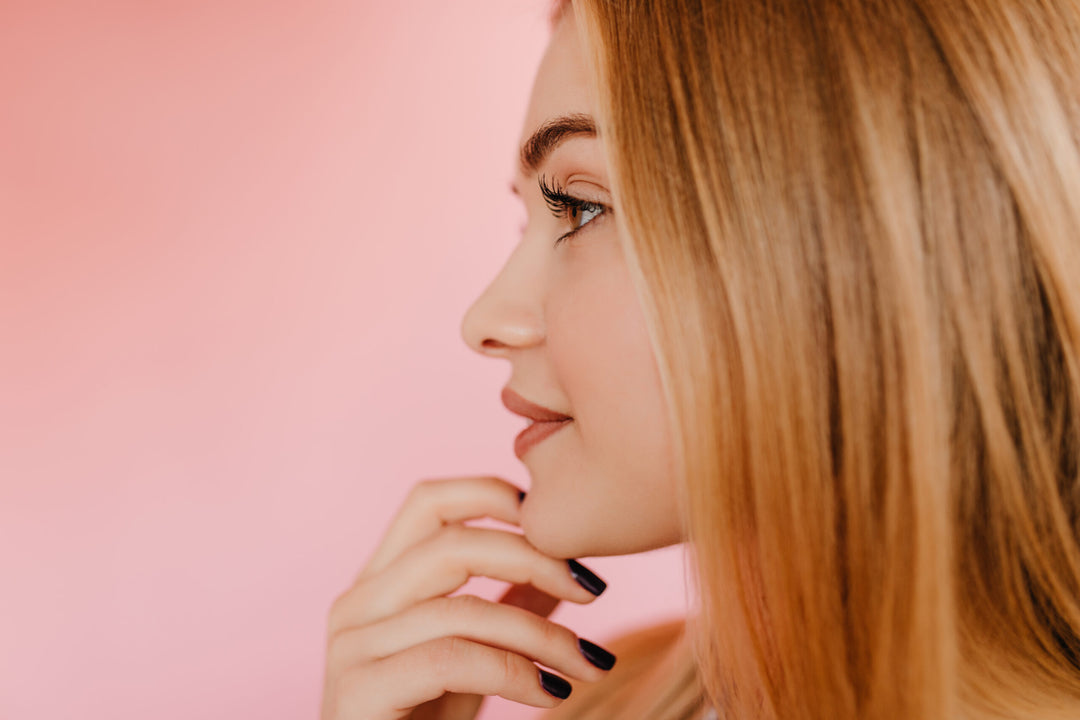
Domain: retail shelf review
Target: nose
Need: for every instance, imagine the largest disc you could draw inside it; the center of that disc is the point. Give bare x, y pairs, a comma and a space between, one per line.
508, 315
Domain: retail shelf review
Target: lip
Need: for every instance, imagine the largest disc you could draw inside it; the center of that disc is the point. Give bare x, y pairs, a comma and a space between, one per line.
520, 406
535, 433
545, 421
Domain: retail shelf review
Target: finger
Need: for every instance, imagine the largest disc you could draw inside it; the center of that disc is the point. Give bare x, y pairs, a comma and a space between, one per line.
452, 706
434, 503
457, 706
388, 689
467, 616
443, 563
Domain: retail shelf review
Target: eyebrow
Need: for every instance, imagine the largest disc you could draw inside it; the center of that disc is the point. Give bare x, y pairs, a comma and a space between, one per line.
548, 137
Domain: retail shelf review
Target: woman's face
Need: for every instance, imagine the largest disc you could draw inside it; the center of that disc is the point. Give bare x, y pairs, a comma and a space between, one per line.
563, 311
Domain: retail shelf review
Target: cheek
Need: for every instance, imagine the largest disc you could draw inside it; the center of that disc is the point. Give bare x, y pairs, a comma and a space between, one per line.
618, 470
600, 350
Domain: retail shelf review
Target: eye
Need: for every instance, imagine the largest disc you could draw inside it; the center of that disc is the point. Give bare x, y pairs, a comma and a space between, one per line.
583, 214
577, 211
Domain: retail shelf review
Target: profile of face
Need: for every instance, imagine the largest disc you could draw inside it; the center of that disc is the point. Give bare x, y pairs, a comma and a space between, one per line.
563, 311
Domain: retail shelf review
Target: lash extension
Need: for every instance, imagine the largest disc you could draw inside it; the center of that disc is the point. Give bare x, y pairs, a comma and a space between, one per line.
561, 205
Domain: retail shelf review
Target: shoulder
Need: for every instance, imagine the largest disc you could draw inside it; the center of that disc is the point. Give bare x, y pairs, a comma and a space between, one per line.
654, 670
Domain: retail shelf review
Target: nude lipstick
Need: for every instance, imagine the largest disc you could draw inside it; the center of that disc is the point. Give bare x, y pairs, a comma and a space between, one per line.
545, 422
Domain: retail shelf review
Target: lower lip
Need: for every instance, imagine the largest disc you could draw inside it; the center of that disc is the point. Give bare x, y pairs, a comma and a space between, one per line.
534, 434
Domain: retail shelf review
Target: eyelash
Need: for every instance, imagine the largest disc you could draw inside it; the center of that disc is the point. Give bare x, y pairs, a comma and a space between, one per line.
562, 204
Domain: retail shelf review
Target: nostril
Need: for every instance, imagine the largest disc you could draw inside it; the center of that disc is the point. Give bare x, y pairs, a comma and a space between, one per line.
499, 336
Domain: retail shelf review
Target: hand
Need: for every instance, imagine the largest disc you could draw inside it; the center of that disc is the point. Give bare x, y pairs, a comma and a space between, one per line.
399, 647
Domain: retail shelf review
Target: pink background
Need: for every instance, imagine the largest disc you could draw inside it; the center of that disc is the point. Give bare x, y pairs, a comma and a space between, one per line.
236, 242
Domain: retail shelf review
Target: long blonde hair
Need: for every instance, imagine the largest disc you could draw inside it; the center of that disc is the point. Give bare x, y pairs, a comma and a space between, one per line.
855, 230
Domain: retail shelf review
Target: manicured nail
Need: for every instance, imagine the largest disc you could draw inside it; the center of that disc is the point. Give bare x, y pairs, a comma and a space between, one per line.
521, 496
597, 655
555, 685
586, 578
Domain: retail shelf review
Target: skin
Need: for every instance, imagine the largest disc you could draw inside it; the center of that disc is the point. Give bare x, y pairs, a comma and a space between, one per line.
568, 320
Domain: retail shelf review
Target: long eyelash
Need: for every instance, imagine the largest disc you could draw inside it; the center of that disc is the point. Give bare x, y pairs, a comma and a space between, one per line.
556, 199
560, 204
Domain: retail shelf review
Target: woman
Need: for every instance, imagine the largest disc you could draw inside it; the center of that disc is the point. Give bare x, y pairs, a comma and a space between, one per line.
801, 286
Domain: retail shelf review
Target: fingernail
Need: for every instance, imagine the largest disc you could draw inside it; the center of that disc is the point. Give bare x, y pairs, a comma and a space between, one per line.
597, 655
521, 496
586, 578
555, 685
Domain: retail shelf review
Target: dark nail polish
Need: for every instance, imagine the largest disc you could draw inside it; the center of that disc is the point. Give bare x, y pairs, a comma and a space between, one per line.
555, 685
521, 496
586, 578
597, 655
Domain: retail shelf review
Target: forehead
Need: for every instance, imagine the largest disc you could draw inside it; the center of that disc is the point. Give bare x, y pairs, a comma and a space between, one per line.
562, 84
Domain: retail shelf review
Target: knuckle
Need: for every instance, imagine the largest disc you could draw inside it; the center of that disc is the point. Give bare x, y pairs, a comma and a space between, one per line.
433, 612
555, 634
514, 669
337, 607
335, 616
458, 611
470, 606
424, 490
347, 609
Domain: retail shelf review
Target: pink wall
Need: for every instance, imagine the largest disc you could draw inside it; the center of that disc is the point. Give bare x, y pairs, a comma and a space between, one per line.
236, 242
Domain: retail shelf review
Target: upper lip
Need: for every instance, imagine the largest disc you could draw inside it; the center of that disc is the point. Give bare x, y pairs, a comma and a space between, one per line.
520, 406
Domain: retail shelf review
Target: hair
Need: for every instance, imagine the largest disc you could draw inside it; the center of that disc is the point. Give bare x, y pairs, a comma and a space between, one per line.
854, 226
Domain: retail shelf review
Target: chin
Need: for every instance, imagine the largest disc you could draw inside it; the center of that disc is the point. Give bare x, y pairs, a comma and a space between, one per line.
558, 534
554, 539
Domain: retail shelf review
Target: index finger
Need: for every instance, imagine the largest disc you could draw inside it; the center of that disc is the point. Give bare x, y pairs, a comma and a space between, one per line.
433, 504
